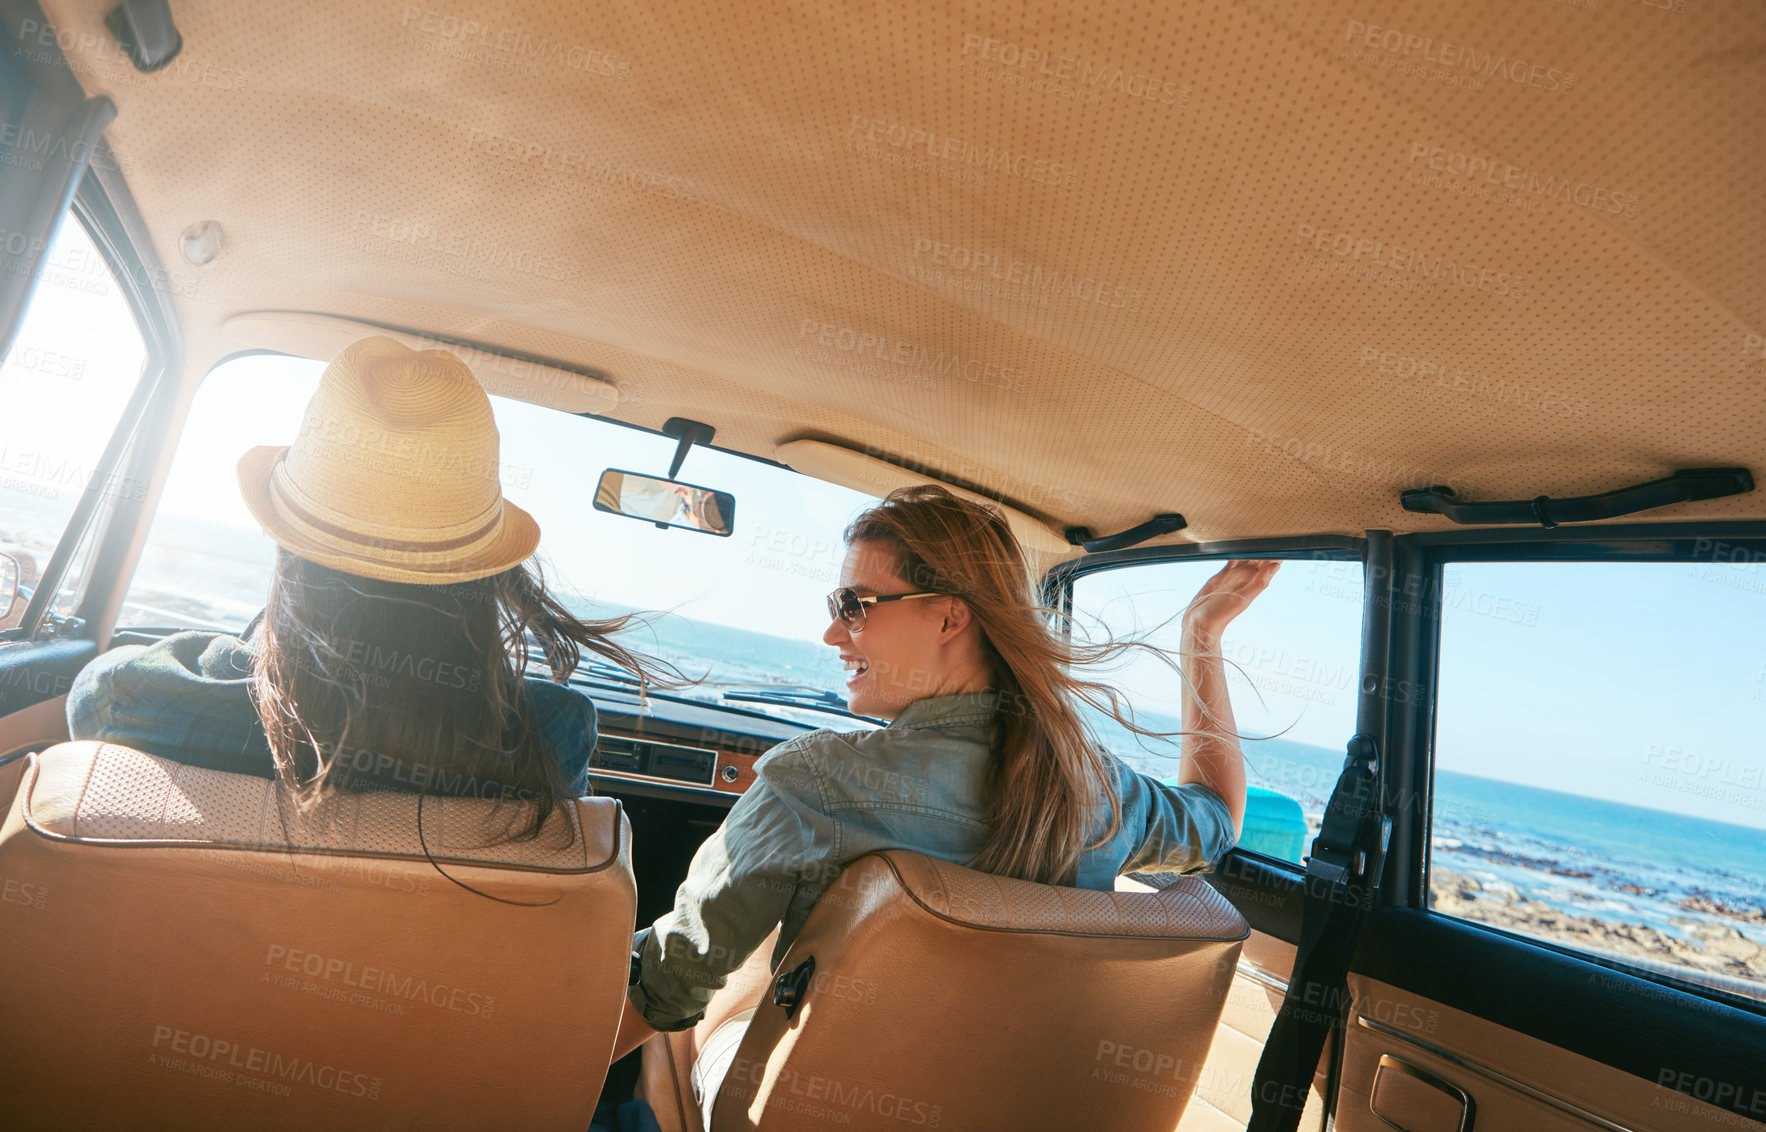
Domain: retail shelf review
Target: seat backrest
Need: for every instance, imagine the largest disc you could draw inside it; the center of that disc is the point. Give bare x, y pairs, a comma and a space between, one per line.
177, 950
942, 997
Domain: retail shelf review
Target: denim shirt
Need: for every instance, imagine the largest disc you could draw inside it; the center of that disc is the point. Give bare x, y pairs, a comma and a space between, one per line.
826, 797
188, 698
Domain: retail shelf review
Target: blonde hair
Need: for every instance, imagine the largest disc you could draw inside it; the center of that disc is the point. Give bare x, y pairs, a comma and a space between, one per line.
1047, 775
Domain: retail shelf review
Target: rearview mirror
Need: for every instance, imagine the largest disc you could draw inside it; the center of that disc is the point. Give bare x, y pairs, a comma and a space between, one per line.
667, 503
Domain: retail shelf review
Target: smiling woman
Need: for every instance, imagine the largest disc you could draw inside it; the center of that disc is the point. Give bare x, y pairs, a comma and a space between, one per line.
207, 565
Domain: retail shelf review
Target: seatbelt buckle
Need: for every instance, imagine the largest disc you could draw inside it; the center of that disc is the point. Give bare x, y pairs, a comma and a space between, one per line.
1338, 865
1334, 865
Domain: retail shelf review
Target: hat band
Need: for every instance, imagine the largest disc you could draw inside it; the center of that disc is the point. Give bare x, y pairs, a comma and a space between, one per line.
335, 531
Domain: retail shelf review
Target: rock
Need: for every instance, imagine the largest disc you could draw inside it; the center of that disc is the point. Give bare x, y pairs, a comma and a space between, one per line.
1711, 906
1730, 944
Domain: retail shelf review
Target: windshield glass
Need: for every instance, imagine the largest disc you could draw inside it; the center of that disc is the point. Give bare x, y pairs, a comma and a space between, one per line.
748, 609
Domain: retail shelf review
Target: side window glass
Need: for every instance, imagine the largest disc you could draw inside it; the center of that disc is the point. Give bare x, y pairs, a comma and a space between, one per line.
1600, 762
206, 564
1292, 661
63, 386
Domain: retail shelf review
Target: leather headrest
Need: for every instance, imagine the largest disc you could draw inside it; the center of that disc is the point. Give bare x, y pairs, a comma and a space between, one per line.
100, 792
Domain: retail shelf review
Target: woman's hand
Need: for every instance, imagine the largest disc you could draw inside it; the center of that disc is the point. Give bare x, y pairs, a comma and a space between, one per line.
1225, 596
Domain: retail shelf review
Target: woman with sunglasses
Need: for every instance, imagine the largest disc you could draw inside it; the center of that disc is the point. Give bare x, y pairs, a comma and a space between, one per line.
987, 760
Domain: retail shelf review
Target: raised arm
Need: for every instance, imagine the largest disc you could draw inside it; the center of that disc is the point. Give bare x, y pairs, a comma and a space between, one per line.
1211, 752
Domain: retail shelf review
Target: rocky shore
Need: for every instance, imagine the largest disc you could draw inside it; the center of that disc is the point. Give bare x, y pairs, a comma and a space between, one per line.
1718, 949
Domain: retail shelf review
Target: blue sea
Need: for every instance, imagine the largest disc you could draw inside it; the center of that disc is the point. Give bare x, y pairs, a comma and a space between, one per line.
1610, 860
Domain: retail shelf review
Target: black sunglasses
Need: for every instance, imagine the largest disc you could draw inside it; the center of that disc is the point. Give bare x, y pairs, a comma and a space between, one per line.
846, 604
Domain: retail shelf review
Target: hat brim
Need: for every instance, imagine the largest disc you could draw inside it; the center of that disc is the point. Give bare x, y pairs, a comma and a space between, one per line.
514, 544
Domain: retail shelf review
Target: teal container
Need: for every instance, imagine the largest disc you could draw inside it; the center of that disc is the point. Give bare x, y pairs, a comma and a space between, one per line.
1274, 824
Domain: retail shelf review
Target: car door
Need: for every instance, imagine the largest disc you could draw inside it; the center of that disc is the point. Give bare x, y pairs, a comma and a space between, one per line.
86, 334
1572, 928
1293, 669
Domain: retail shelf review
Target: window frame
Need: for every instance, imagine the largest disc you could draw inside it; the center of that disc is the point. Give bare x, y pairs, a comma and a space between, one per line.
1057, 593
1423, 558
111, 518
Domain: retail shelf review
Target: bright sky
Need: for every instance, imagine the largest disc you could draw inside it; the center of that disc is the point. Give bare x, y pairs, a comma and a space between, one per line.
77, 348
770, 575
1292, 656
1639, 683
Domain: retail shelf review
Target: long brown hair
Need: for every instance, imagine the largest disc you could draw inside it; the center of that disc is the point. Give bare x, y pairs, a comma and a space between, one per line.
367, 684
1048, 778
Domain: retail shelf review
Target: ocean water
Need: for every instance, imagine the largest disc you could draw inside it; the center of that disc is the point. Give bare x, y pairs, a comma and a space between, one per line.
732, 655
1584, 856
1591, 857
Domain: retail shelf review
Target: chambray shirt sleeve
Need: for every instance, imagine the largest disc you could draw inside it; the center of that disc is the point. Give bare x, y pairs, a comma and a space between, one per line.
738, 888
1177, 829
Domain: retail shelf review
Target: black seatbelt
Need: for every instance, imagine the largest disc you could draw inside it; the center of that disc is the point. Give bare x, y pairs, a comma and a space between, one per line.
1342, 877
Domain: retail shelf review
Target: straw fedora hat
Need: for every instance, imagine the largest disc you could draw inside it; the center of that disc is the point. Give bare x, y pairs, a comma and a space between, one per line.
394, 473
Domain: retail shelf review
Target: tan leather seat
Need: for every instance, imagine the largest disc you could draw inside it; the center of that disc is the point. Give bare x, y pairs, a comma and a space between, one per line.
942, 997
175, 955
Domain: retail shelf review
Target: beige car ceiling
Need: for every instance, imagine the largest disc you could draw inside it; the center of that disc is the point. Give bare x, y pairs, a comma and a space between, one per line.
1265, 264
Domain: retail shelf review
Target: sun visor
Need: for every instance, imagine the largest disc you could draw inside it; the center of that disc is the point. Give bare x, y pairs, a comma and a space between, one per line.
323, 336
868, 474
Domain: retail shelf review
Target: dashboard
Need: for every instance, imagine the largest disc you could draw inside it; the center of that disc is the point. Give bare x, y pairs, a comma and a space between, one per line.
679, 749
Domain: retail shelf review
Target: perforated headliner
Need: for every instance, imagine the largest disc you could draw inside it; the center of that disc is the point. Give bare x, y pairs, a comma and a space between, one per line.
1265, 264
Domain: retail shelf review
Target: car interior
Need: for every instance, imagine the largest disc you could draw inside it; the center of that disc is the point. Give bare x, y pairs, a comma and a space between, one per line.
1458, 312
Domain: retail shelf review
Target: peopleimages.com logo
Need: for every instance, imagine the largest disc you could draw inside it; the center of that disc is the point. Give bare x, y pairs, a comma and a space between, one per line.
221, 1059
1407, 262
1456, 57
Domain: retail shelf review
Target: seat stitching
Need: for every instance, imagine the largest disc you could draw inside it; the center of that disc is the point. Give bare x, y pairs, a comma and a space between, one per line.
85, 786
920, 899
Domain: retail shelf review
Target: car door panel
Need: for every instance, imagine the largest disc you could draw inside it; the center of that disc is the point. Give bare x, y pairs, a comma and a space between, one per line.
1512, 1079
33, 728
1633, 1024
35, 676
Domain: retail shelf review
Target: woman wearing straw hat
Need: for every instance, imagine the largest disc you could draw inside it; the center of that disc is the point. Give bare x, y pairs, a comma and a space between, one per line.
392, 651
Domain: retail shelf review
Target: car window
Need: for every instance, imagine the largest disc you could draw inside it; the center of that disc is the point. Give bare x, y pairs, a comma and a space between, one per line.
1600, 760
76, 359
1292, 662
750, 608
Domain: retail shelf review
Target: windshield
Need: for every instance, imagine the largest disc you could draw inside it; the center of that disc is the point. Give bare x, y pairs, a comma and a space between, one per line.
749, 609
